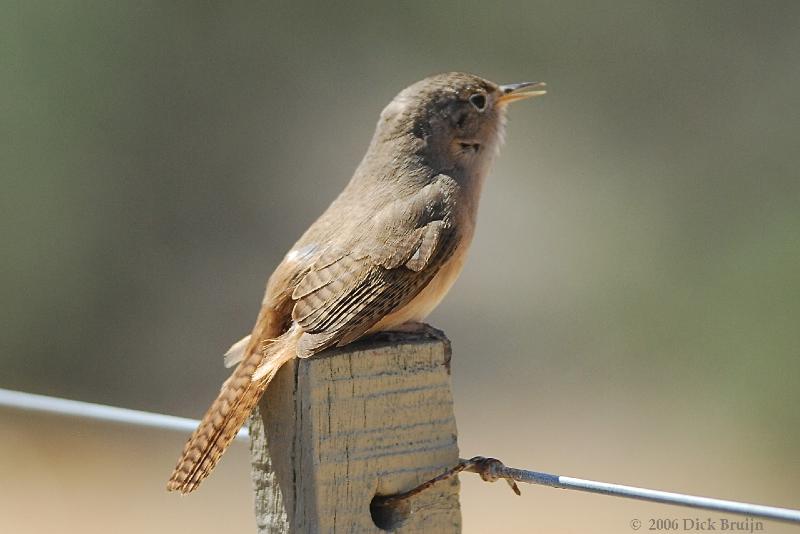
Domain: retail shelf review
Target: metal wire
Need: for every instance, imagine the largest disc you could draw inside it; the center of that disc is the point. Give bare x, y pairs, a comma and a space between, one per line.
99, 412
52, 405
492, 469
666, 497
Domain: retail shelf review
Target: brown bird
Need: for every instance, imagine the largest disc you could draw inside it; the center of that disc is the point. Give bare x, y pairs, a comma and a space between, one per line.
383, 254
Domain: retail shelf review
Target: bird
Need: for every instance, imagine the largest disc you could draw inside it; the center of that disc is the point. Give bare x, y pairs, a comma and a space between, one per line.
381, 257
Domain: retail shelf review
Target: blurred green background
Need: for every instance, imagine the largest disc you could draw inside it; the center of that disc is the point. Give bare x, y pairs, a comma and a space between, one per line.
630, 311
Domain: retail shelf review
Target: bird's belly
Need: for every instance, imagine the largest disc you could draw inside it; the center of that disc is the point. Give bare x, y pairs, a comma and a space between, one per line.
427, 299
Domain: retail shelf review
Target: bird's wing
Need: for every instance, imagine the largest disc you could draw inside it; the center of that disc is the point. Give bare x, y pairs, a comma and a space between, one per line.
354, 284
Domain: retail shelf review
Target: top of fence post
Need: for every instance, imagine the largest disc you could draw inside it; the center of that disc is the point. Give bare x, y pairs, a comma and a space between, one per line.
335, 430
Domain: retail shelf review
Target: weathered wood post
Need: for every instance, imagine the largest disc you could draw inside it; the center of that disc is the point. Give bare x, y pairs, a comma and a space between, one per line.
335, 430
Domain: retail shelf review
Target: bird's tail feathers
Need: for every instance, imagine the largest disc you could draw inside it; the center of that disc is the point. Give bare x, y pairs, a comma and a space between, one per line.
229, 411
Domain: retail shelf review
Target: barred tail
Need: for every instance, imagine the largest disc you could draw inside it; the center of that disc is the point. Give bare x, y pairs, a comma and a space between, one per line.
227, 414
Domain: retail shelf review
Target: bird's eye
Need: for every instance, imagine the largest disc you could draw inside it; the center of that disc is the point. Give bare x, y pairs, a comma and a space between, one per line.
479, 101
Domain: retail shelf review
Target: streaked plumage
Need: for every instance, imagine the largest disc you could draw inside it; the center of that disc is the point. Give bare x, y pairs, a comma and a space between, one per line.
384, 253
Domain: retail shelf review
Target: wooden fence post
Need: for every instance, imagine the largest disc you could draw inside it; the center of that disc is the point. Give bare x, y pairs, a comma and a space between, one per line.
335, 430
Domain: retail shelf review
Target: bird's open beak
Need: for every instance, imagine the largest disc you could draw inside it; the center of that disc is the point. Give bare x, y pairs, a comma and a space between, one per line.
518, 91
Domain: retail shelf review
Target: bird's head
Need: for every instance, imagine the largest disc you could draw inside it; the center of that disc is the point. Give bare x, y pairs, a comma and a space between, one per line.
455, 120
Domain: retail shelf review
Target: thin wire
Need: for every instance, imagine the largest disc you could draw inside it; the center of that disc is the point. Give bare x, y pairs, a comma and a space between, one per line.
99, 412
644, 494
489, 468
492, 469
691, 501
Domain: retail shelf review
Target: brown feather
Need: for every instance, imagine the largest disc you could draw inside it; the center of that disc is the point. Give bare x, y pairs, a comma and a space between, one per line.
384, 252
228, 413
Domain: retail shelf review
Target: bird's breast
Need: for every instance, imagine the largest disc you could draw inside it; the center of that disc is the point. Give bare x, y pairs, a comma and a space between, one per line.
432, 294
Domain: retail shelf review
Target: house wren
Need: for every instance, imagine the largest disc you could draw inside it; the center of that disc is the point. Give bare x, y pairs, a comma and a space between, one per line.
383, 254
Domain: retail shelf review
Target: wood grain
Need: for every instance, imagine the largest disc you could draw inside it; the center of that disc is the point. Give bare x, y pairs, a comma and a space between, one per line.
334, 430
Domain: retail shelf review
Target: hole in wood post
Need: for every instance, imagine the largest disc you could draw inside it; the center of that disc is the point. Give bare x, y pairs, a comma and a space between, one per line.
389, 514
